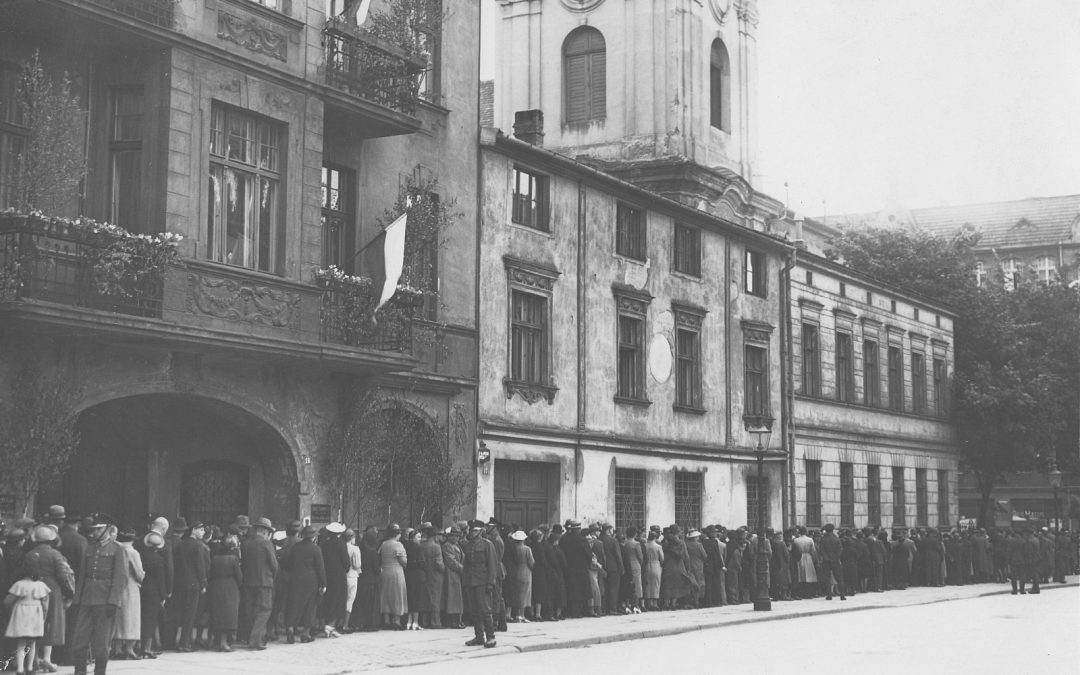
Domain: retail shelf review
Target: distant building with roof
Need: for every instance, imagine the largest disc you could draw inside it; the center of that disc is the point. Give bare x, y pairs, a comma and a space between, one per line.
1041, 234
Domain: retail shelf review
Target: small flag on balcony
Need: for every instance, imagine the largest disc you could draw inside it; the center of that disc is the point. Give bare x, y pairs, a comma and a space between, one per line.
393, 257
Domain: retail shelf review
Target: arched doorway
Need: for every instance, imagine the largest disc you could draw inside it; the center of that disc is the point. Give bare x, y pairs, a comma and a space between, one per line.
177, 454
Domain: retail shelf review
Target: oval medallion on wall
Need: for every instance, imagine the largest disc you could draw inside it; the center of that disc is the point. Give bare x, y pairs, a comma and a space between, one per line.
660, 358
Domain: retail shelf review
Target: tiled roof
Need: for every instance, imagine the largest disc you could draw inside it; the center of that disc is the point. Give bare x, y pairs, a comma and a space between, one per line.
1037, 221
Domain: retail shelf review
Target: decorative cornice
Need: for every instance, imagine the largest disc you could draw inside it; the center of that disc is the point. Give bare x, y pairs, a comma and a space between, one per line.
530, 392
894, 330
631, 292
867, 322
530, 274
842, 313
249, 302
756, 331
688, 316
941, 345
630, 305
918, 337
253, 35
810, 305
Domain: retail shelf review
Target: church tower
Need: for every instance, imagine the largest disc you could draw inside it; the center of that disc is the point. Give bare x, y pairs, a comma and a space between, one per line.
659, 92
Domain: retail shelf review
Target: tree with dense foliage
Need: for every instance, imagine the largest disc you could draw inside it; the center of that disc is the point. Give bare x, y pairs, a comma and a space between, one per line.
1016, 385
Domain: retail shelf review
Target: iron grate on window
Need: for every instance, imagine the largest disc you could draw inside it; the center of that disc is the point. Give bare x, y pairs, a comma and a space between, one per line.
688, 499
629, 498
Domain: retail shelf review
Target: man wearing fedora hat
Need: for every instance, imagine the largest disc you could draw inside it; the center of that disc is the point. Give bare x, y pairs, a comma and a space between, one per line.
258, 563
98, 592
578, 557
192, 563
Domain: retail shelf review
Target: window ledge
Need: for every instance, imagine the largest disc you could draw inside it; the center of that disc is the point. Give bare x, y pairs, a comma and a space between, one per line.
631, 259
637, 402
530, 392
688, 409
529, 228
685, 275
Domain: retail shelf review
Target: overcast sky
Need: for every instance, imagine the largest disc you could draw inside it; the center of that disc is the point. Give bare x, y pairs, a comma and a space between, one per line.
865, 104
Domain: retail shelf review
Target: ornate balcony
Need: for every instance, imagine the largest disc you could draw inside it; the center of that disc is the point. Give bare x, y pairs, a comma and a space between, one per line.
375, 71
58, 273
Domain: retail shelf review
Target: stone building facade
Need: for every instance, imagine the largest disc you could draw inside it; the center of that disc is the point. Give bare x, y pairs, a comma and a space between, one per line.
628, 339
872, 442
257, 131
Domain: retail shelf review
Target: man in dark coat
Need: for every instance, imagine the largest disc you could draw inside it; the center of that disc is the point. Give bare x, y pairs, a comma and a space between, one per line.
1032, 559
258, 563
714, 574
578, 555
431, 560
831, 562
876, 556
933, 552
281, 580
191, 565
335, 554
498, 604
613, 566
479, 577
307, 582
99, 590
365, 614
170, 621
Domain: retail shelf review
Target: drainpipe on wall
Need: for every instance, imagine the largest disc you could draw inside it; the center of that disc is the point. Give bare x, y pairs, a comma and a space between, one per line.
728, 437
582, 338
787, 401
478, 423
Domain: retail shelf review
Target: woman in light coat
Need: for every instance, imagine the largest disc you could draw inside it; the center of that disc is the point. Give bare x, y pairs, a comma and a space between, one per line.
521, 572
127, 629
454, 559
47, 563
393, 594
653, 567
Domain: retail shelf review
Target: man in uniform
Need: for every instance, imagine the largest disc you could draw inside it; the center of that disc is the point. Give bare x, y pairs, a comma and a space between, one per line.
99, 590
259, 564
478, 581
498, 603
831, 552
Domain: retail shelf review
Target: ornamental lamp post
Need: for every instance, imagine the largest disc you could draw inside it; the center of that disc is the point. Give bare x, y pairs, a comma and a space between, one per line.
760, 427
1054, 475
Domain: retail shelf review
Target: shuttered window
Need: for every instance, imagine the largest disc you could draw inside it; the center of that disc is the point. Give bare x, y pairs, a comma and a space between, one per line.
585, 73
720, 87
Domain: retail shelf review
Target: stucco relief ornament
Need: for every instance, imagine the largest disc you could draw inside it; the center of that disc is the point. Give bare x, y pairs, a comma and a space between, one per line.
581, 5
252, 35
720, 9
243, 301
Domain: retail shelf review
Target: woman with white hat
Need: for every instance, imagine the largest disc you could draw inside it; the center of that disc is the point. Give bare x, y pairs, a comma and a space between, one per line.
153, 592
520, 573
46, 563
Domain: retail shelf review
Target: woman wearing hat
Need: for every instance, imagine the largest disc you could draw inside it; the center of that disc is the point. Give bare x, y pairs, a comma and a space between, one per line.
454, 560
223, 592
127, 629
307, 579
153, 592
522, 562
46, 563
675, 582
652, 570
393, 594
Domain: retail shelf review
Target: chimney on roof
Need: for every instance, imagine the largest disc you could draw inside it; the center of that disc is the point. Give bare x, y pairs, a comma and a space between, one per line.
529, 126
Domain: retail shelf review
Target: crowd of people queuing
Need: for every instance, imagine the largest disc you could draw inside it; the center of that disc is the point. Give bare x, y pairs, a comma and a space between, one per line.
94, 590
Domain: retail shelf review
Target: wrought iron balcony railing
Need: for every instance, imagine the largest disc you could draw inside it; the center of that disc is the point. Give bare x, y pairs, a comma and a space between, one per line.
349, 318
370, 69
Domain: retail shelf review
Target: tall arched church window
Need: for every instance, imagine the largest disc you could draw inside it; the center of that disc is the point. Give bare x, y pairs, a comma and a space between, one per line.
720, 87
585, 75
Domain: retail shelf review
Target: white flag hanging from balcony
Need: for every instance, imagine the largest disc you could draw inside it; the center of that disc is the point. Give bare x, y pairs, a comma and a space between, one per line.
393, 257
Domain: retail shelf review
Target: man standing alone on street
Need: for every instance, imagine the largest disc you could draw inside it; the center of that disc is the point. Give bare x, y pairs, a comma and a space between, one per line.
98, 593
259, 565
478, 580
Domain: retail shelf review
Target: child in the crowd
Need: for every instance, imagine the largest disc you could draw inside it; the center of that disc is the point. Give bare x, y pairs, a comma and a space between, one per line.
28, 601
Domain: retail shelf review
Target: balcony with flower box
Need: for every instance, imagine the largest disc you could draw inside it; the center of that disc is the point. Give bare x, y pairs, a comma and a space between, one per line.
79, 277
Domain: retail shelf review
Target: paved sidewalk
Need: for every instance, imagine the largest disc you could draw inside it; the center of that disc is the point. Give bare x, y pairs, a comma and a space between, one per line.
388, 649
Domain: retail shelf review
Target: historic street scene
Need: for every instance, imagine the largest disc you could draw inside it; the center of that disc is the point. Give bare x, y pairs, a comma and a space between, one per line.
340, 335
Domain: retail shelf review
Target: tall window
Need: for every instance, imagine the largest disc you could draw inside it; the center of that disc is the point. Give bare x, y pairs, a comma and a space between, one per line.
125, 157
899, 497
845, 368
720, 87
756, 381
813, 492
528, 337
687, 359
811, 360
688, 499
338, 217
530, 200
429, 40
918, 383
630, 231
847, 494
421, 268
585, 76
13, 132
754, 268
244, 227
686, 257
871, 374
980, 273
943, 498
1010, 270
629, 498
754, 490
631, 313
941, 391
922, 505
873, 495
1045, 269
896, 379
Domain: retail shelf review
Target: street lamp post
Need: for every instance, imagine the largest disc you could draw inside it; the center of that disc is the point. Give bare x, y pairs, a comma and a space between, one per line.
1055, 482
760, 427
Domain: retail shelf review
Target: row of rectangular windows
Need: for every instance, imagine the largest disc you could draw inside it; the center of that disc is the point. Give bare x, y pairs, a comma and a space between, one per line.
845, 373
630, 499
873, 477
530, 207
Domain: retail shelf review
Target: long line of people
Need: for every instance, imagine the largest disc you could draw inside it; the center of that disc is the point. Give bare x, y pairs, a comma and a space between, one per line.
105, 591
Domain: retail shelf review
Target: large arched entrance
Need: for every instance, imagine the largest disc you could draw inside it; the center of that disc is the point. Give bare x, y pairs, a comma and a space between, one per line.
176, 454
